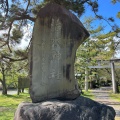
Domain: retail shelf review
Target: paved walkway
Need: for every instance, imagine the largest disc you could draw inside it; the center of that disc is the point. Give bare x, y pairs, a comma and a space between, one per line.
102, 96
10, 92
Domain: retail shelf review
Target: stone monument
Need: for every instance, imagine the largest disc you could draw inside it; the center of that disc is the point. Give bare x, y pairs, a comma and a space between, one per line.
79, 109
56, 36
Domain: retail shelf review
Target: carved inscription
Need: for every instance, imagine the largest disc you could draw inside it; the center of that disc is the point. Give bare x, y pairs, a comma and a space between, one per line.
55, 72
43, 66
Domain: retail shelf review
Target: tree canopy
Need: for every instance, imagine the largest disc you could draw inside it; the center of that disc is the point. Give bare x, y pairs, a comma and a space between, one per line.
16, 15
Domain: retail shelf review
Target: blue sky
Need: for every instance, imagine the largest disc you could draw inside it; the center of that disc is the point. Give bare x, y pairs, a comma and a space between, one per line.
106, 9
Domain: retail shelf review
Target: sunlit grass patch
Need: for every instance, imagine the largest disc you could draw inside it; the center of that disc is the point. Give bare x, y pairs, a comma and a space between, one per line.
88, 94
115, 96
7, 114
9, 103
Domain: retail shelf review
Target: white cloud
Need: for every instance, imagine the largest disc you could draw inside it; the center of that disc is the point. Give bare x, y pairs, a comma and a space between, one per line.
27, 31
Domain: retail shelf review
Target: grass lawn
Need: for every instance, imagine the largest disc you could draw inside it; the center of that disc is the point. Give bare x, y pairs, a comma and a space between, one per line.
115, 96
88, 94
9, 103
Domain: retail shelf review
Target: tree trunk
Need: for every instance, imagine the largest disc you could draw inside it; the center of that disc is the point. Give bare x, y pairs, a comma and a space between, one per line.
117, 87
18, 91
113, 77
91, 84
117, 82
22, 90
86, 79
4, 92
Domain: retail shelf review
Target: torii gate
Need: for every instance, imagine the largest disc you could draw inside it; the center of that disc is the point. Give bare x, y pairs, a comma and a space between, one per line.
101, 64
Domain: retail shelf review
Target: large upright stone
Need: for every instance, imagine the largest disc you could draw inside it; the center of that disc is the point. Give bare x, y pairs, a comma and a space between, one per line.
56, 36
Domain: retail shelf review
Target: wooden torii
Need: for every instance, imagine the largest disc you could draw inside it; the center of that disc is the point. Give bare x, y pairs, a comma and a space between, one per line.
102, 64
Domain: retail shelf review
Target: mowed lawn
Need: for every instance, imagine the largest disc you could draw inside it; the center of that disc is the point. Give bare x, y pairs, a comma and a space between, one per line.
88, 94
9, 103
115, 97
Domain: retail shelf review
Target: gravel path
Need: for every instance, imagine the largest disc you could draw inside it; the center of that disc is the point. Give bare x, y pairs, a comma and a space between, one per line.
102, 96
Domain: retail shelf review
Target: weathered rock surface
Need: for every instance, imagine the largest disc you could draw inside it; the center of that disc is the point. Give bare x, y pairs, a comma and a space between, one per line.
56, 36
79, 109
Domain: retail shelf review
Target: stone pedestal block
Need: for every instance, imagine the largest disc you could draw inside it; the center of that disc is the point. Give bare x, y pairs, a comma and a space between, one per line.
56, 36
80, 109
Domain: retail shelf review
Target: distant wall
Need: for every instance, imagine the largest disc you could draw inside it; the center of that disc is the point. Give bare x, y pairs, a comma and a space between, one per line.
23, 82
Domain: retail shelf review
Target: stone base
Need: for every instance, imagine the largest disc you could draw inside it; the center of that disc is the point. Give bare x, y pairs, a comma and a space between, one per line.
79, 109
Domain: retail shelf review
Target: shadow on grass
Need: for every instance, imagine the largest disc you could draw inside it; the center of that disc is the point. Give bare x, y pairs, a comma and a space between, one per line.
22, 95
13, 100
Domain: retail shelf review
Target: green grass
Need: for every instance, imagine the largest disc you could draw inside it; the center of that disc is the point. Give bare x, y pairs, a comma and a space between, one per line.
9, 103
88, 94
115, 97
